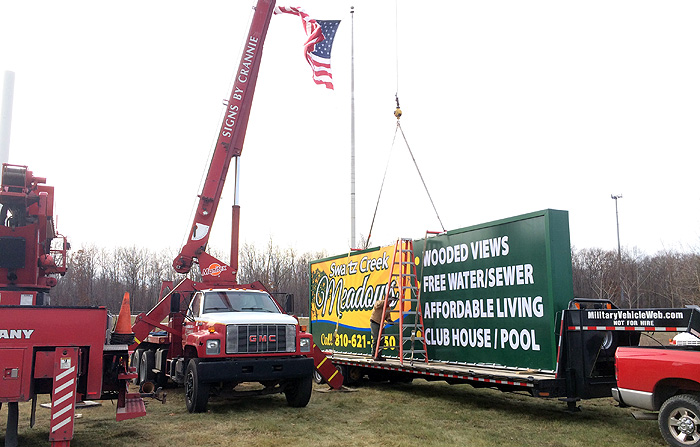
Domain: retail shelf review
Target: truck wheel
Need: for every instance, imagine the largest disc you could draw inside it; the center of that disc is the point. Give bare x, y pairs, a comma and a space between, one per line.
146, 365
298, 392
196, 393
318, 378
679, 421
134, 362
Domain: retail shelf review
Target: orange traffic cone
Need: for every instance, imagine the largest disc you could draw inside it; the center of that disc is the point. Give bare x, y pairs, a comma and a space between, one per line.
124, 319
122, 331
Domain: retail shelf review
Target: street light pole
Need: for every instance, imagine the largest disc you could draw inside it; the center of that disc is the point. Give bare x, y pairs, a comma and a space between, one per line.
619, 250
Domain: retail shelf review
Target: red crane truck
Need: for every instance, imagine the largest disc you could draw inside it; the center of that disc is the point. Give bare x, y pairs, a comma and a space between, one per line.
220, 333
66, 352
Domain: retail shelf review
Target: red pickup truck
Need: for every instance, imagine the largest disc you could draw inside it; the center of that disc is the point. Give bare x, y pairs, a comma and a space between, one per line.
664, 379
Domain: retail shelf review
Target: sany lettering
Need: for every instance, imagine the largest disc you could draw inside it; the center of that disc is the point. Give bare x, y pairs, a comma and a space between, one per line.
16, 333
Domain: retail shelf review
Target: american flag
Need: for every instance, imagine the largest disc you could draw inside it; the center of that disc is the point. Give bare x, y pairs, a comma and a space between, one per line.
319, 44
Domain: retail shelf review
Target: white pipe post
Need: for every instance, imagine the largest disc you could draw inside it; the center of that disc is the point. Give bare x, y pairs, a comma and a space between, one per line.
6, 116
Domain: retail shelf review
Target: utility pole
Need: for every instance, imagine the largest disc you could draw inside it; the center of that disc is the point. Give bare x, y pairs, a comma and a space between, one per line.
619, 250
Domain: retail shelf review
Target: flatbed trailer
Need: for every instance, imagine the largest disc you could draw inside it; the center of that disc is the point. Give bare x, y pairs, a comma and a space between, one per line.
534, 382
490, 305
590, 333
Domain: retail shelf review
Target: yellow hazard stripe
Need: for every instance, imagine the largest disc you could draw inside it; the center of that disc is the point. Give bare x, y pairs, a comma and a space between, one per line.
138, 342
334, 374
322, 362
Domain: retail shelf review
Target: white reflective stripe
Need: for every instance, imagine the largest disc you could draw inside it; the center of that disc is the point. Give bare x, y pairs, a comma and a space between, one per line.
63, 410
61, 424
62, 399
65, 373
64, 386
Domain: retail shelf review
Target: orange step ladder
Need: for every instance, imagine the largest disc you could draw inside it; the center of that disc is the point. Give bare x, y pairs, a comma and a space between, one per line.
403, 292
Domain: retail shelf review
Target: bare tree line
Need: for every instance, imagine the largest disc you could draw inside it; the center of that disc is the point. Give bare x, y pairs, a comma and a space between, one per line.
99, 276
636, 280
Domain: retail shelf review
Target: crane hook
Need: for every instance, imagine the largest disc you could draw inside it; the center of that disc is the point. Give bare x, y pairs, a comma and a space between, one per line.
397, 112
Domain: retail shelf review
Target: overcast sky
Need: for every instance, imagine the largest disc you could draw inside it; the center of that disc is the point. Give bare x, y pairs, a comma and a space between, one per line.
509, 107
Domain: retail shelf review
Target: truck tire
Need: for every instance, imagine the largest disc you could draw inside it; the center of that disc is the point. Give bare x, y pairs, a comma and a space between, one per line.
146, 366
196, 393
318, 378
679, 421
134, 363
298, 392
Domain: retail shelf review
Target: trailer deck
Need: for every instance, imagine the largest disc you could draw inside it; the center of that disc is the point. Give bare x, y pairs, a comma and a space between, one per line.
529, 380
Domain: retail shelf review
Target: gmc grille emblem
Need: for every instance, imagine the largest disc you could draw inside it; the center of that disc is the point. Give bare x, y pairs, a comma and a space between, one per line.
263, 338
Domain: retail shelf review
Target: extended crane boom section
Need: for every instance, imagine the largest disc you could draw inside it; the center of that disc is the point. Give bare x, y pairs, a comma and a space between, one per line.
229, 143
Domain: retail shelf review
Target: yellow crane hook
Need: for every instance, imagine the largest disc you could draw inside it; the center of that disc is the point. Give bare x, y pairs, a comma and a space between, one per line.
397, 112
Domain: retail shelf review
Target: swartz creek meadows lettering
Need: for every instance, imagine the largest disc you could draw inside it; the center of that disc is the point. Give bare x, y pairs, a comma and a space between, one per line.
332, 295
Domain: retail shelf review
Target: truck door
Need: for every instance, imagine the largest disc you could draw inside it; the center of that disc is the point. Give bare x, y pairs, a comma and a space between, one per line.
193, 313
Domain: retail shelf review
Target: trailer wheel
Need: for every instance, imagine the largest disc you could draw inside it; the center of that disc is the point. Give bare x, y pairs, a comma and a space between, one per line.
679, 421
196, 393
298, 392
351, 374
146, 365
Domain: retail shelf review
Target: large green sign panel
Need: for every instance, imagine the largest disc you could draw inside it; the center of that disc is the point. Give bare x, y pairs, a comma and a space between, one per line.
491, 293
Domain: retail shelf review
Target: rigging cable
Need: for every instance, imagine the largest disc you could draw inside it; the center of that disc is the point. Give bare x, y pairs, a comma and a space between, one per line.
397, 114
386, 169
398, 125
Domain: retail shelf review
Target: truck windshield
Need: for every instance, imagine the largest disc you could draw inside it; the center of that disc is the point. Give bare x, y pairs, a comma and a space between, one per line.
238, 301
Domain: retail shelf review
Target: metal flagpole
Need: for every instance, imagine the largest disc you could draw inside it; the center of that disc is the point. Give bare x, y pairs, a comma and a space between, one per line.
352, 127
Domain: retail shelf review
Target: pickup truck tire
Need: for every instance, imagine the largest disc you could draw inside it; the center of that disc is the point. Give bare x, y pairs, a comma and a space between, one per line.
679, 421
298, 392
196, 393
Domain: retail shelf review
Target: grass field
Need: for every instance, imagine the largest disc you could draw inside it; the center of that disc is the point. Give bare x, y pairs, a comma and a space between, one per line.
376, 414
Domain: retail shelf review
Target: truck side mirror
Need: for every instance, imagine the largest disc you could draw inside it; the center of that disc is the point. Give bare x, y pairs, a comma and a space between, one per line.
175, 303
289, 303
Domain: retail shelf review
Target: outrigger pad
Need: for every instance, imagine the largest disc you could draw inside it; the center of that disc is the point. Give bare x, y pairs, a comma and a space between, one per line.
327, 370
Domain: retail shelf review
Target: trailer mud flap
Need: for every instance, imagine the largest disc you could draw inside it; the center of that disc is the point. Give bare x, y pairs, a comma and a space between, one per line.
327, 370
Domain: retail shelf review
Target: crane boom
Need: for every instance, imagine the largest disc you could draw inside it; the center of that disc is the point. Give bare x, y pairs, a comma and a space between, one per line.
229, 143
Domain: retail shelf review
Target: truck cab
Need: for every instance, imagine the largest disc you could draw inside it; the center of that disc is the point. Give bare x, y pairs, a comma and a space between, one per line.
221, 338
223, 322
